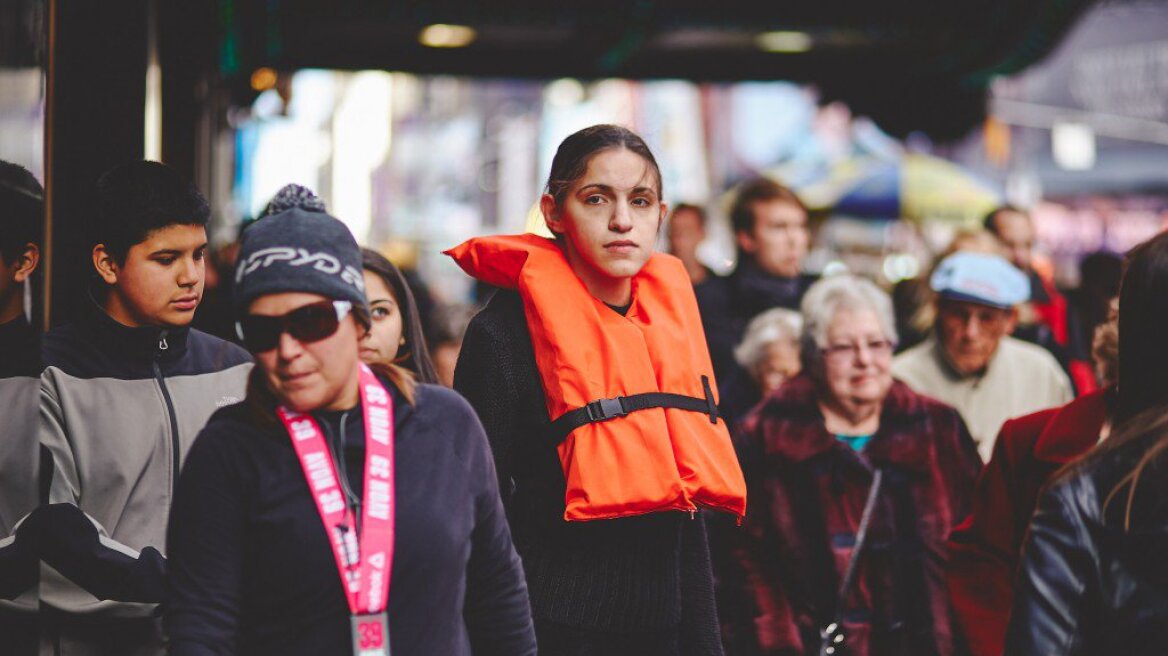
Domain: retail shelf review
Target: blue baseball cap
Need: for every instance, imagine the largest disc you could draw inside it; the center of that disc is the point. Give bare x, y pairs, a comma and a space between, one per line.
981, 278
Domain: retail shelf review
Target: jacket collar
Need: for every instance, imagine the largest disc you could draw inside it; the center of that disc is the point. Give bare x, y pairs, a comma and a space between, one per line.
17, 331
20, 350
1074, 429
793, 427
756, 290
165, 344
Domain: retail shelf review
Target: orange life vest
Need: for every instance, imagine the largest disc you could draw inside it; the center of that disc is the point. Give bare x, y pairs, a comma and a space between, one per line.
596, 365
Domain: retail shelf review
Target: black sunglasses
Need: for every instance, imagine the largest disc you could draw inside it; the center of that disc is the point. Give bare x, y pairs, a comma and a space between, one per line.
310, 323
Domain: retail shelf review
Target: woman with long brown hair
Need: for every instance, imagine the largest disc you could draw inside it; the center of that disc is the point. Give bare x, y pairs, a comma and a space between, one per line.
1092, 578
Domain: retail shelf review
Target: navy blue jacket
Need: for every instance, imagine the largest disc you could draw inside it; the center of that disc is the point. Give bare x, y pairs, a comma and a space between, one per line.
252, 571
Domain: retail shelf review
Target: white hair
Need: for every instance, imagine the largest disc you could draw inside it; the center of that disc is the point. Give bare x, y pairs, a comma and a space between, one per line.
828, 297
774, 325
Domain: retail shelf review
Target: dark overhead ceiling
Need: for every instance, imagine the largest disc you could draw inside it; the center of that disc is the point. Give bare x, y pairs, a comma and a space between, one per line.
908, 64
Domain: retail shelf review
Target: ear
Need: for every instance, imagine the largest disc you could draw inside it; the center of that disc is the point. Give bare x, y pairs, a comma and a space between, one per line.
745, 241
664, 213
1012, 321
27, 262
551, 214
104, 262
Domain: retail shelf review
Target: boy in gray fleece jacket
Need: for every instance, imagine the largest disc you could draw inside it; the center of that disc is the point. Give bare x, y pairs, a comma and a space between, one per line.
125, 390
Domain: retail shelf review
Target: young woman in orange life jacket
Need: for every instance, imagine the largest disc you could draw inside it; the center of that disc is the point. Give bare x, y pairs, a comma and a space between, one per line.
590, 373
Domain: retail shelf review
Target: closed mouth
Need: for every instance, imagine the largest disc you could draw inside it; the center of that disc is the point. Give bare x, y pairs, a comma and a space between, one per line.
291, 378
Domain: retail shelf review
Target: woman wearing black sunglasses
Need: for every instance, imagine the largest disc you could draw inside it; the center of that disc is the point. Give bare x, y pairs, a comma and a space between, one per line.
340, 508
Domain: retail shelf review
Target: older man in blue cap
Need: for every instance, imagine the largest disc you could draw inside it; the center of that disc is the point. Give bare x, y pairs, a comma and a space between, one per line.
970, 361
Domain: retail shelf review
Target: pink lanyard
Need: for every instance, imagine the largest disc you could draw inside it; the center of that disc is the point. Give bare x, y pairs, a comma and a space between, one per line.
364, 565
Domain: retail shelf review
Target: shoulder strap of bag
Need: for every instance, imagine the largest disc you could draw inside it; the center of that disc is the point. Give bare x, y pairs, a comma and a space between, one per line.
832, 634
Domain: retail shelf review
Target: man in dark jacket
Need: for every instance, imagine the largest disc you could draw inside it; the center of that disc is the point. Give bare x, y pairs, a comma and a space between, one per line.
1045, 318
770, 228
124, 392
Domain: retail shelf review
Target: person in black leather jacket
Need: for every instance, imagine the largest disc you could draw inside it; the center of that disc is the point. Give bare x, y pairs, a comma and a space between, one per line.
1092, 578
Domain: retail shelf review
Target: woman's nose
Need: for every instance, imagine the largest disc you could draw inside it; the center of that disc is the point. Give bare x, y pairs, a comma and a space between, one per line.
621, 220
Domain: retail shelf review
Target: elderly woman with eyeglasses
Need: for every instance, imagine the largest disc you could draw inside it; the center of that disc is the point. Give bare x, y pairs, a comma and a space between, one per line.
850, 471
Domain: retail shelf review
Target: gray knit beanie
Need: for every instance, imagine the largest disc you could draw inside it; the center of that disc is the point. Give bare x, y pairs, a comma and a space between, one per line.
297, 247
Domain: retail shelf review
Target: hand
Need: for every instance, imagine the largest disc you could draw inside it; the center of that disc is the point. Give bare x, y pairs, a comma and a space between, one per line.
63, 534
68, 540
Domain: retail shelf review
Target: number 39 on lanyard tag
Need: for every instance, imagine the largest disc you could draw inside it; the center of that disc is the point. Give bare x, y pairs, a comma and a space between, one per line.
364, 561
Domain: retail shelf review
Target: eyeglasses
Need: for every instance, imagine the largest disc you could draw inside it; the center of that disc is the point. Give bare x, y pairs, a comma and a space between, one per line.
877, 347
309, 323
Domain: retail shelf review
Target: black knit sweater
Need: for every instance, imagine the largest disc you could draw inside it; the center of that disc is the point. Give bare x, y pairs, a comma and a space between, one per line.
639, 585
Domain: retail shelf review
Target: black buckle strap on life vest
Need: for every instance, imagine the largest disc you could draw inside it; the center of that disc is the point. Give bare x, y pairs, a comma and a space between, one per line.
606, 409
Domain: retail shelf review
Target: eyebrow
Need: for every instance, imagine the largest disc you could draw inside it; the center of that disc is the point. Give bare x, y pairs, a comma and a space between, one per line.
176, 251
381, 300
609, 188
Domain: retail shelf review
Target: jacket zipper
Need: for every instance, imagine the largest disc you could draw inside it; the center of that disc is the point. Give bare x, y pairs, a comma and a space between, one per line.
174, 443
353, 498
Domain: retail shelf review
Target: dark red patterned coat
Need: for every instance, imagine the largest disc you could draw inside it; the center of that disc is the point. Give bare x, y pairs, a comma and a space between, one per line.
807, 491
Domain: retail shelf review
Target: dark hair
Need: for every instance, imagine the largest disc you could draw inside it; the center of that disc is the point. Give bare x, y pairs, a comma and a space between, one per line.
689, 207
1143, 313
417, 355
1141, 403
135, 199
1147, 434
990, 220
22, 204
1101, 271
758, 190
574, 153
